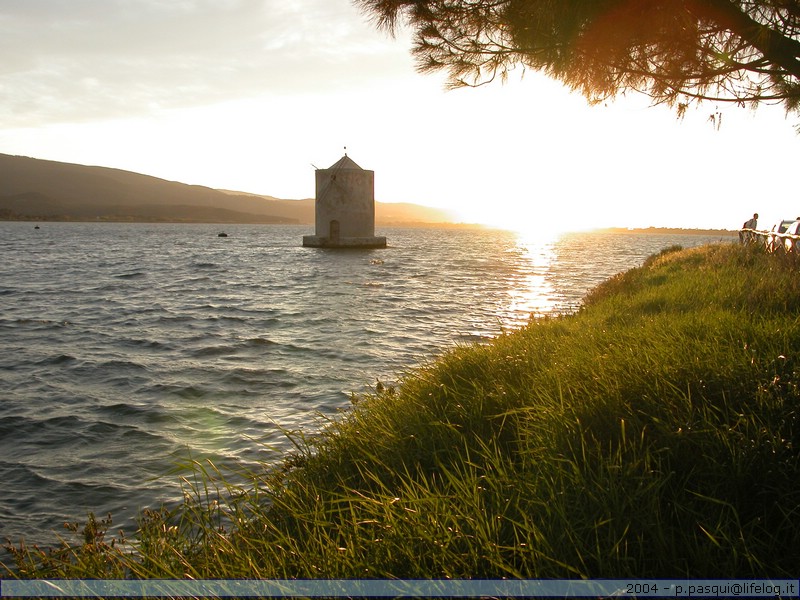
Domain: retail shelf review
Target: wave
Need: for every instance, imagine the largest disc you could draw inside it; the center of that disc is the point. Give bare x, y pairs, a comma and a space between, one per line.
144, 414
181, 390
47, 323
58, 359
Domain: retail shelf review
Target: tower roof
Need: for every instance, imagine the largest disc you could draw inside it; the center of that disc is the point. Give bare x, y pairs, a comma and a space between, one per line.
345, 163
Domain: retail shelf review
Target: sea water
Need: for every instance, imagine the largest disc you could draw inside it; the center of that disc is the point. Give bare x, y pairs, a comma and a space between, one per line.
128, 350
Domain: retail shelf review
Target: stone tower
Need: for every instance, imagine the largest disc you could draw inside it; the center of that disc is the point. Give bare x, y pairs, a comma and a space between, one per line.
344, 208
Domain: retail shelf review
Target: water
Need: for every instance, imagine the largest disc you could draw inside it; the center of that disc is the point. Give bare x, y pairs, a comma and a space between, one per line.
128, 349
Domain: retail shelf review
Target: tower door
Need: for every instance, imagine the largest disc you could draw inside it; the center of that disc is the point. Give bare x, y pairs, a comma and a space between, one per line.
334, 231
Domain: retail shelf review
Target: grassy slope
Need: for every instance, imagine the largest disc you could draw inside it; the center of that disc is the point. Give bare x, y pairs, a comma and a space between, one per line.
653, 434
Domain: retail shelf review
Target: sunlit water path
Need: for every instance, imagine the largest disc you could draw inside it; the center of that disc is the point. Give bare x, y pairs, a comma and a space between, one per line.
129, 348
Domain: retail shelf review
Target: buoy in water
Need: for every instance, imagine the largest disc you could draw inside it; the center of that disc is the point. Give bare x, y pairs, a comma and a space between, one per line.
223, 234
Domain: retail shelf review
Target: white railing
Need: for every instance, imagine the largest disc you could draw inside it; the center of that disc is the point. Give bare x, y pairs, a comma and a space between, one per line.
773, 242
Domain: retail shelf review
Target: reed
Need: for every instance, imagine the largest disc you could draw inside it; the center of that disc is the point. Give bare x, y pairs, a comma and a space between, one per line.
654, 433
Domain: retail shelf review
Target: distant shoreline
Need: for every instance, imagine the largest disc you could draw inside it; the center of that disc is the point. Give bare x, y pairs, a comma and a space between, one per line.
662, 230
443, 225
37, 219
50, 219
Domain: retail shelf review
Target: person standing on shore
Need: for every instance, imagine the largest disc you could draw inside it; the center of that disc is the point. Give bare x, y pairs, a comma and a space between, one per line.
745, 236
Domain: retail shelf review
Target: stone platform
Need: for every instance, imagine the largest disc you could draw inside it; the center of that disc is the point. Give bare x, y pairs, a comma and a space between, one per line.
317, 241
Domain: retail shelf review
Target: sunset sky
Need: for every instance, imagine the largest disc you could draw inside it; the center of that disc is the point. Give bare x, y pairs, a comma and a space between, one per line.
250, 95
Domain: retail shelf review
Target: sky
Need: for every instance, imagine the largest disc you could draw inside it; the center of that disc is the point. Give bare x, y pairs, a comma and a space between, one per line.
252, 95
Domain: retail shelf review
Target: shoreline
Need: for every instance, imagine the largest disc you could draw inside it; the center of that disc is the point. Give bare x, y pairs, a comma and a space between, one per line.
408, 224
650, 434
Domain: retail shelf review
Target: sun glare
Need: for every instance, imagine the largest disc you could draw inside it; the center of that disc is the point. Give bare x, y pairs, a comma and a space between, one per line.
532, 224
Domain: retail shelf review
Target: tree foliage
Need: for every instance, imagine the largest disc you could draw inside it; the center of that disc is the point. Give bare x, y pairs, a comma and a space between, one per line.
676, 51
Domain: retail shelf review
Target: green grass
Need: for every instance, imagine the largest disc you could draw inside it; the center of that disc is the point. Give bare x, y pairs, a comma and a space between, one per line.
655, 433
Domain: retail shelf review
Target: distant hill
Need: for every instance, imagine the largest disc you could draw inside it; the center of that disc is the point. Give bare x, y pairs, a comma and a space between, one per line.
386, 213
48, 190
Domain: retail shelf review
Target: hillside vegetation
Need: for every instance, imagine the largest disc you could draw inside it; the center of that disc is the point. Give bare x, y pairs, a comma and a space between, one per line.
48, 190
655, 433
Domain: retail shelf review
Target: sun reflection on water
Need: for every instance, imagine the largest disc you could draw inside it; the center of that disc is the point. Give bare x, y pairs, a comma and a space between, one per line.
532, 294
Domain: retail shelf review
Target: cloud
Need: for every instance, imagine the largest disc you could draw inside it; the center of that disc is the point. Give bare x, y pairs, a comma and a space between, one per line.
78, 60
